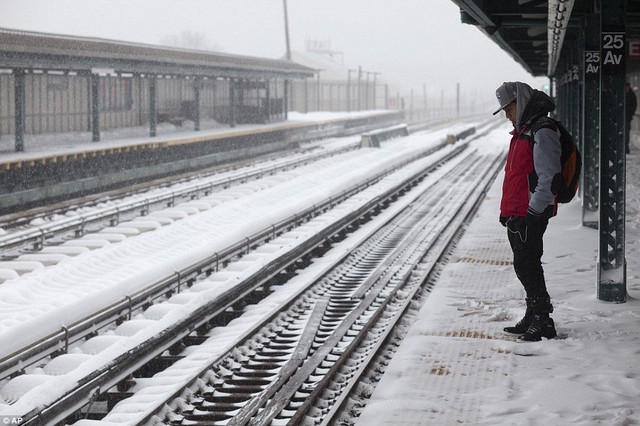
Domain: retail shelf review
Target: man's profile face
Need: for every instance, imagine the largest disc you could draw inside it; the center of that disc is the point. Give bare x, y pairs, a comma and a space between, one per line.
510, 112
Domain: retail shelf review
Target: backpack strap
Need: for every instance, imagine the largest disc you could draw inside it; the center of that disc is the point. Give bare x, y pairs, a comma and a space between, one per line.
544, 122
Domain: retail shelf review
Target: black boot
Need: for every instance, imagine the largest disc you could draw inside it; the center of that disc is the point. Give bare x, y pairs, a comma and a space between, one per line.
522, 325
541, 326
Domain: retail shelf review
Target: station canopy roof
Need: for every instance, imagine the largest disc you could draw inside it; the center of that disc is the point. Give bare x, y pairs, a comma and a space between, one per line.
22, 49
535, 32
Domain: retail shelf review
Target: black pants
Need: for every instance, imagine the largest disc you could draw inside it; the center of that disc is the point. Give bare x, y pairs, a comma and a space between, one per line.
526, 244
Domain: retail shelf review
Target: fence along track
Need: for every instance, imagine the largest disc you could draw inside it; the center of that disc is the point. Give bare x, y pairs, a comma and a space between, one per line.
236, 386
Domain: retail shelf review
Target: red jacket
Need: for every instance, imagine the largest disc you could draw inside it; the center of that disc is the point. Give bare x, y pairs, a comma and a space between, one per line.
531, 169
515, 188
520, 178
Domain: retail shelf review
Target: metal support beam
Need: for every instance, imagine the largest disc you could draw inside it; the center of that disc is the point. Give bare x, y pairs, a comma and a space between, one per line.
196, 100
386, 97
286, 99
232, 102
318, 92
559, 14
375, 75
348, 90
306, 95
19, 89
611, 286
591, 122
153, 109
576, 91
267, 101
95, 107
359, 88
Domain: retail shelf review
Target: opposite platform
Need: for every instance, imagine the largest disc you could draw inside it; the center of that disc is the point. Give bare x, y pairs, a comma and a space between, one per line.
52, 169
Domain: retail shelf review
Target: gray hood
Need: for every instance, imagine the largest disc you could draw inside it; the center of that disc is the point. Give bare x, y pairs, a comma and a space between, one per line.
524, 92
531, 104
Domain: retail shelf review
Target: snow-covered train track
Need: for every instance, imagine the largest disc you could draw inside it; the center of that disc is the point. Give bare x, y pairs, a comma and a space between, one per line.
75, 220
296, 367
155, 311
78, 327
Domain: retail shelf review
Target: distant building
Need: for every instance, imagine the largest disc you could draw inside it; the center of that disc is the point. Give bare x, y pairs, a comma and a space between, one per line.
319, 56
336, 87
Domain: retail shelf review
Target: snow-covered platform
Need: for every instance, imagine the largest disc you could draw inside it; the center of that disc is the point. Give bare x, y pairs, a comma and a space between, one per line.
457, 366
54, 167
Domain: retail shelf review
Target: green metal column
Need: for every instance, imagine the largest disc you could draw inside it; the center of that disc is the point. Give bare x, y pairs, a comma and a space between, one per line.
579, 91
153, 109
575, 100
562, 112
591, 122
95, 107
19, 89
611, 286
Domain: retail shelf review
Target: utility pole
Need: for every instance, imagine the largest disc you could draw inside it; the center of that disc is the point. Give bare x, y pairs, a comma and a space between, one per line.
286, 29
286, 82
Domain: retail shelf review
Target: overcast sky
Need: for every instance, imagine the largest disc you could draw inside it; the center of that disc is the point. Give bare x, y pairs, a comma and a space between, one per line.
410, 42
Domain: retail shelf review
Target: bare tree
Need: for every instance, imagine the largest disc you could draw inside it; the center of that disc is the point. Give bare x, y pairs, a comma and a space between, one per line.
191, 40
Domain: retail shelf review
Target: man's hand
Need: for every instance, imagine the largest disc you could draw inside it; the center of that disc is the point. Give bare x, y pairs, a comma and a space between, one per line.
515, 223
533, 218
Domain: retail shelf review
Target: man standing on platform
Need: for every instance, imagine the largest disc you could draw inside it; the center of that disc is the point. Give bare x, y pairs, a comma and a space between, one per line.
529, 198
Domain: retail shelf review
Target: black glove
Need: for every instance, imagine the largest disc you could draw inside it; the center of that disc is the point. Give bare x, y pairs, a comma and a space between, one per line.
503, 220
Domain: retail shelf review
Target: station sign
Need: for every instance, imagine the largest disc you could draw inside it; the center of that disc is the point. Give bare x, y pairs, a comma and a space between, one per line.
613, 53
592, 64
634, 49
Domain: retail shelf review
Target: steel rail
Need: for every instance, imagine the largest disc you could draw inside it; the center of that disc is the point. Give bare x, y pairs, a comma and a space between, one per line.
37, 235
60, 340
262, 325
464, 215
119, 369
396, 272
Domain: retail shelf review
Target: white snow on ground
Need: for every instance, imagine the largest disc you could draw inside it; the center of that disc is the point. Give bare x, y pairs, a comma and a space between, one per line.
62, 293
57, 143
457, 366
41, 302
198, 358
